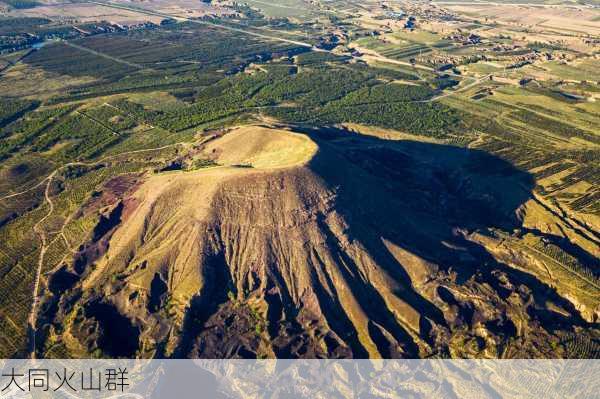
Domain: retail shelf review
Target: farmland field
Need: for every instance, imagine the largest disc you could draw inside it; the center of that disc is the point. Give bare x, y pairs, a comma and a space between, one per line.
331, 179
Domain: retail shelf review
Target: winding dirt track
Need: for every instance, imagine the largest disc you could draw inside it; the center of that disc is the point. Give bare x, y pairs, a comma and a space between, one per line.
40, 231
32, 319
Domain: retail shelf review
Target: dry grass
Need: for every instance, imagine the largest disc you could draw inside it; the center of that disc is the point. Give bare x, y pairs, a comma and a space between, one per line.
262, 148
25, 81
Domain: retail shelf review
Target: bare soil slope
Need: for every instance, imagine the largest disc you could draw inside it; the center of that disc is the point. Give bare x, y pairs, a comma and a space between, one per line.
319, 245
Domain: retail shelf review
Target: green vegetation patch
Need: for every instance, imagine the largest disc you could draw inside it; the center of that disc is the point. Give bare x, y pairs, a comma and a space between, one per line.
20, 24
111, 117
21, 4
11, 110
553, 126
65, 60
23, 132
84, 138
318, 57
429, 119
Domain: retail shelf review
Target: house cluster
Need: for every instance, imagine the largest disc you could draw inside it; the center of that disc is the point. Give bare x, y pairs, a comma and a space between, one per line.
413, 12
464, 38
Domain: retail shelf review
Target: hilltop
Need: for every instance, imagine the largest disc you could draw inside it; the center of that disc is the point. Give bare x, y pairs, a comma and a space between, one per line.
322, 244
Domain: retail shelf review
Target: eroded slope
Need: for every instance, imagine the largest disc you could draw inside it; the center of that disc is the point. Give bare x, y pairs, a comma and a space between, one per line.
318, 245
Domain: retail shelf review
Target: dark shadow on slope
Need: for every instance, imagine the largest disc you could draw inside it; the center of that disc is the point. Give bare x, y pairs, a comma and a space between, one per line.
372, 300
331, 307
216, 279
158, 293
425, 198
587, 260
118, 337
539, 291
